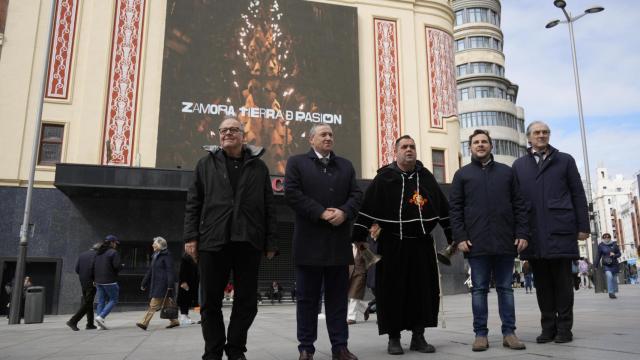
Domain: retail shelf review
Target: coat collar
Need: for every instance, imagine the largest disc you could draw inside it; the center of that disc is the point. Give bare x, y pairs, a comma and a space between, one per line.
551, 154
478, 163
312, 155
249, 151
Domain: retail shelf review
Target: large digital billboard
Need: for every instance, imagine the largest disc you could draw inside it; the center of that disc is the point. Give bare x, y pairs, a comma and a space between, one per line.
279, 66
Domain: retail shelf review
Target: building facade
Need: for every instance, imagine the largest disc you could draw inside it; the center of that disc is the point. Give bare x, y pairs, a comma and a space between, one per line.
103, 166
486, 98
617, 211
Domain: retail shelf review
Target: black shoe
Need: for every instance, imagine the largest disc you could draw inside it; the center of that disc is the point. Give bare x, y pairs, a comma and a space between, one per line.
236, 357
343, 354
90, 327
304, 355
366, 314
394, 347
141, 326
418, 343
545, 338
563, 337
72, 325
612, 296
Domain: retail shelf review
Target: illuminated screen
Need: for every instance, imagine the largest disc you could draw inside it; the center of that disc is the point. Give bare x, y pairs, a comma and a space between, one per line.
279, 66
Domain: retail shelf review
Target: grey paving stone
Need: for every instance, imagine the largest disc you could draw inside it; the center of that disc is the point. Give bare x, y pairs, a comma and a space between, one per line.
603, 329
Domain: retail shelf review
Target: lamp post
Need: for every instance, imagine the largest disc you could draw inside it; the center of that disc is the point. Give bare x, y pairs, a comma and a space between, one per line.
21, 261
561, 4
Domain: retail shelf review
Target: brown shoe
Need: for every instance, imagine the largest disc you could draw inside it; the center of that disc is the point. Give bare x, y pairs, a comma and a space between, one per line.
351, 322
481, 343
512, 342
172, 325
343, 354
304, 355
141, 326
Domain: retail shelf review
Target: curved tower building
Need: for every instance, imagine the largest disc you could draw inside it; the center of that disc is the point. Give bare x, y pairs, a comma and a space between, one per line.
486, 98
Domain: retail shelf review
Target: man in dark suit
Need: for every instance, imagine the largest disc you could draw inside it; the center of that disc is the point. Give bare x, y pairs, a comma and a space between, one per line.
84, 269
550, 183
321, 188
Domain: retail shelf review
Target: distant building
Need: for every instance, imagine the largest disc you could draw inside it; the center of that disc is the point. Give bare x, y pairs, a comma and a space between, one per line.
486, 98
617, 210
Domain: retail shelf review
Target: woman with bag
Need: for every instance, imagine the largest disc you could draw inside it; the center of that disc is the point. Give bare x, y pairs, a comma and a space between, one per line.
609, 252
160, 281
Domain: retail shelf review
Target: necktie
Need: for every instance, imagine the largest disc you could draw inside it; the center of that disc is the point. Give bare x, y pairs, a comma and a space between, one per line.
324, 161
540, 156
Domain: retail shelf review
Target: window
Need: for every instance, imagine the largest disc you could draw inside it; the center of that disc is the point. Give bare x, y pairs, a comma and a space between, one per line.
462, 70
459, 17
460, 45
463, 94
437, 158
479, 42
478, 15
483, 92
50, 149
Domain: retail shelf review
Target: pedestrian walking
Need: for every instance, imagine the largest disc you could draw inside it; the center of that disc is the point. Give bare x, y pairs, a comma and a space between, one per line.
160, 280
84, 269
609, 252
189, 280
106, 268
357, 286
583, 272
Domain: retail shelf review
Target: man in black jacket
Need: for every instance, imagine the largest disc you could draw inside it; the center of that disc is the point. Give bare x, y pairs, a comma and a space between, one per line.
489, 224
550, 184
84, 269
230, 215
106, 269
321, 188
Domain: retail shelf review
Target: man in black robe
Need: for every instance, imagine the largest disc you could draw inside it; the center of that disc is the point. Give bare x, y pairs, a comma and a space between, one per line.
405, 200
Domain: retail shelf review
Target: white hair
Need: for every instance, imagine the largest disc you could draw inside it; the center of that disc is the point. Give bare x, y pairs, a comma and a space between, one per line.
162, 243
315, 127
537, 122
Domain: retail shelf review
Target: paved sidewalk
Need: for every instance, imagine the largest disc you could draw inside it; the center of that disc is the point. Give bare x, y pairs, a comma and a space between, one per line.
604, 329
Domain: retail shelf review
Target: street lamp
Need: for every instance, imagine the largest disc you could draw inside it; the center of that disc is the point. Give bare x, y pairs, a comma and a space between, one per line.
561, 4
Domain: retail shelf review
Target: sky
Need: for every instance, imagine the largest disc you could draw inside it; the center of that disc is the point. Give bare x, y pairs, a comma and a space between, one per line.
608, 52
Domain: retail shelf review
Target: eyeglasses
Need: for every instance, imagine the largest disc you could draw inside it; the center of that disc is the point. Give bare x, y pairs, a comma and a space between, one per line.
230, 130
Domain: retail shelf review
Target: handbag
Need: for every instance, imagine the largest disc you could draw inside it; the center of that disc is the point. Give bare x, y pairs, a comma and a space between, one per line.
169, 308
607, 260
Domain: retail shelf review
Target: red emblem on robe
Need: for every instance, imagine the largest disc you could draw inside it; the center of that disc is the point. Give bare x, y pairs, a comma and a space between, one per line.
418, 199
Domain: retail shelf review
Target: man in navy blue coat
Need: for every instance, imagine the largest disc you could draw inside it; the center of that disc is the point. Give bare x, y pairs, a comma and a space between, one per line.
550, 184
321, 189
489, 224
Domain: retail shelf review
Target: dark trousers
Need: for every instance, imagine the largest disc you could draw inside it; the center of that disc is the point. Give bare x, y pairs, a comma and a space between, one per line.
215, 267
554, 290
86, 307
309, 280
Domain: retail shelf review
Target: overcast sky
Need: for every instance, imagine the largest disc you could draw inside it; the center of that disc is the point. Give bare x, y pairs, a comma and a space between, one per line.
608, 48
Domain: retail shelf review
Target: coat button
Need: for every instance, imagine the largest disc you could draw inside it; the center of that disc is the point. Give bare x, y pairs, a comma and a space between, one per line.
330, 189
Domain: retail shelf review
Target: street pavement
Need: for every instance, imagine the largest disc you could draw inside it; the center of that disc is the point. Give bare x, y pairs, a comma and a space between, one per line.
603, 329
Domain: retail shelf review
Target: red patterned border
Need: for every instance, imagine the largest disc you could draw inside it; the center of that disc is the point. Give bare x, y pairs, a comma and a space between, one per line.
124, 76
442, 77
387, 88
61, 51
